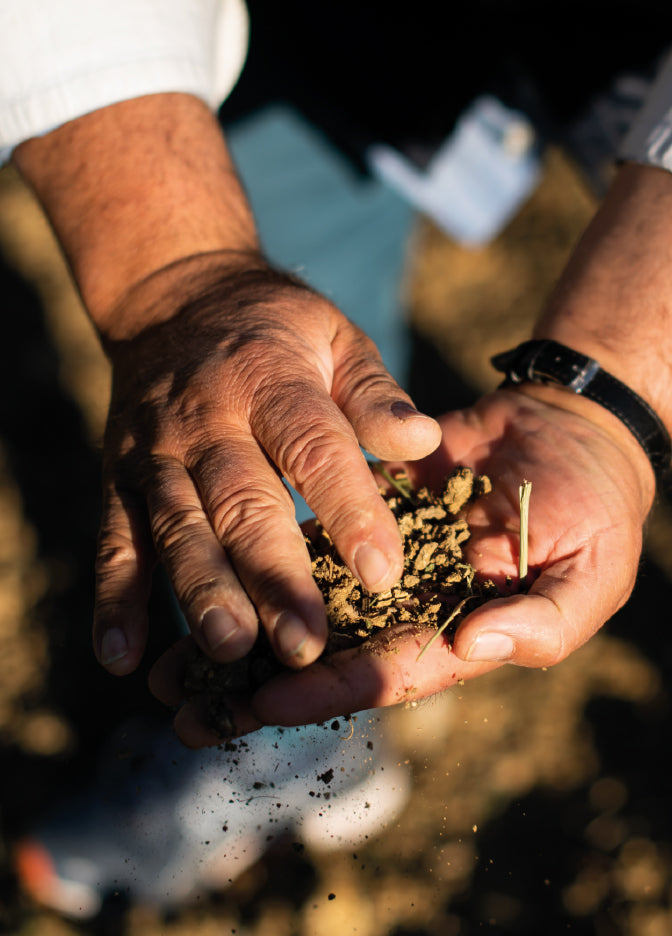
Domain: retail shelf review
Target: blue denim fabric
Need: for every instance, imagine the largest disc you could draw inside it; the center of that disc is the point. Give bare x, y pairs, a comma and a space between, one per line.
345, 234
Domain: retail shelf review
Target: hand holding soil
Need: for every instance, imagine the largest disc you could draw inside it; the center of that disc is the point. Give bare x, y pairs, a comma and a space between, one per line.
588, 509
589, 505
437, 587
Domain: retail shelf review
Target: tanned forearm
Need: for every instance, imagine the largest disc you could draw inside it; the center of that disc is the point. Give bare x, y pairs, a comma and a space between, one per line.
132, 188
614, 300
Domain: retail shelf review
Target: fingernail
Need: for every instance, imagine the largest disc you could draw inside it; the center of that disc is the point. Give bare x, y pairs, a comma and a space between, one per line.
371, 565
218, 626
403, 410
113, 646
291, 634
493, 647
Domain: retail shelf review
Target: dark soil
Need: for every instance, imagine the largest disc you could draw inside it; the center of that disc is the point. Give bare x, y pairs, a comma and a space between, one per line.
436, 589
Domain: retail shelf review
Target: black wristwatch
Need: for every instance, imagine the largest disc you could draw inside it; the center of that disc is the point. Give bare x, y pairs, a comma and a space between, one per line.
551, 362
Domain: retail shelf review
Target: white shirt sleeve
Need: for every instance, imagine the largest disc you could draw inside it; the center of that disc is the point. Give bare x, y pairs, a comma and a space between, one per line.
649, 140
60, 60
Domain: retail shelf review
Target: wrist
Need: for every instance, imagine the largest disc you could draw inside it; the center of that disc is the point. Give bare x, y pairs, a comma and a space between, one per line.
595, 418
549, 362
181, 290
135, 188
194, 304
614, 300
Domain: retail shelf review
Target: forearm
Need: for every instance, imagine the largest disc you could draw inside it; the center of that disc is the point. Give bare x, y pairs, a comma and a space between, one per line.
614, 300
133, 188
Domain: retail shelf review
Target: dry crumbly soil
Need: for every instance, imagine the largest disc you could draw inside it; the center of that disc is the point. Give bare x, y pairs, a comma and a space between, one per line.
437, 588
436, 582
541, 800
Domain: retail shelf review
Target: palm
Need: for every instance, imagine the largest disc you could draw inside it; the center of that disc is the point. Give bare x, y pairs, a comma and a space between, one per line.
585, 538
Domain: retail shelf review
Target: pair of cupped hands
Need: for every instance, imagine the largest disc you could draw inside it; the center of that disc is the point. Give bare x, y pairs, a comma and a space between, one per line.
254, 378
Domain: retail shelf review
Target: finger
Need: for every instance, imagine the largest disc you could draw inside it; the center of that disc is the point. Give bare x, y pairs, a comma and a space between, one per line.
463, 442
385, 671
191, 723
124, 563
315, 448
383, 416
563, 609
252, 514
167, 676
218, 612
167, 681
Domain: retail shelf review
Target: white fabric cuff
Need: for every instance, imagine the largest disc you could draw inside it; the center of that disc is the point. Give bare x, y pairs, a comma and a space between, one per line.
60, 61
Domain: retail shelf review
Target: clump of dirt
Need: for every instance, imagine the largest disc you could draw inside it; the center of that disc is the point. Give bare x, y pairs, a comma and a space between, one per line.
433, 588
436, 576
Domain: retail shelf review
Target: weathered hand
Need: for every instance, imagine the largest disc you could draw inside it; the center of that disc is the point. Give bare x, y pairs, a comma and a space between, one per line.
225, 374
248, 374
592, 488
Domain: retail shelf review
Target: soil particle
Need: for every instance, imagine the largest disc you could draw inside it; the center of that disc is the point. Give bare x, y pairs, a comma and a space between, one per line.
436, 579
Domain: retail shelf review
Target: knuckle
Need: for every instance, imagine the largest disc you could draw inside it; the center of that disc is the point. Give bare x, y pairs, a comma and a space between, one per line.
195, 412
363, 368
245, 516
285, 402
115, 553
551, 658
370, 379
172, 527
239, 512
556, 648
157, 474
109, 604
349, 524
200, 593
309, 457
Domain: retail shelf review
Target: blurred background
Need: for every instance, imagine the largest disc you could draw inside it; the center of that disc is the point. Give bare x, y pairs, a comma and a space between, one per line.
541, 800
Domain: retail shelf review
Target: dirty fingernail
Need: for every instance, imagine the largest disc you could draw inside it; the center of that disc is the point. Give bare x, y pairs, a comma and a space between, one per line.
493, 647
291, 634
371, 565
113, 647
217, 627
403, 410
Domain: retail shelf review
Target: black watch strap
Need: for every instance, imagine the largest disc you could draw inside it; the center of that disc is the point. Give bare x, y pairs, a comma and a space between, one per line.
548, 361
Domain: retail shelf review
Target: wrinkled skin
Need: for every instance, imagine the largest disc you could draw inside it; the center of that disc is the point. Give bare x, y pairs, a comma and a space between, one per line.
205, 414
591, 490
226, 374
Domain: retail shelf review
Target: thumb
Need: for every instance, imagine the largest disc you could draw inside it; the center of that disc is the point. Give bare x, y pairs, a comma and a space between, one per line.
561, 612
